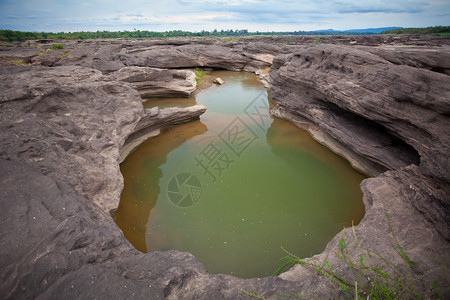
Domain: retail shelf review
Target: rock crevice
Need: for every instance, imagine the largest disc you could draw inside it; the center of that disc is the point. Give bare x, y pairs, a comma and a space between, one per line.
64, 129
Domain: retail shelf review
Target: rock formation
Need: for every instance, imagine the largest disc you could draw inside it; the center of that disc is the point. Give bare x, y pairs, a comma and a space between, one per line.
390, 115
154, 121
63, 129
380, 115
158, 83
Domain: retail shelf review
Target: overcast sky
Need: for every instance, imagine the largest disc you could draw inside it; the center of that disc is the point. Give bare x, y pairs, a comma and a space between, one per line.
197, 15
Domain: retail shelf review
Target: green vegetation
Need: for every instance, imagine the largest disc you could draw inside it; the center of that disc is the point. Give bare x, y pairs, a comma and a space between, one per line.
11, 35
199, 73
436, 30
19, 63
41, 53
65, 53
57, 46
369, 280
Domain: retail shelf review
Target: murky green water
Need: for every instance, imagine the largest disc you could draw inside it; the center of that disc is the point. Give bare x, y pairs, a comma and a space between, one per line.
235, 186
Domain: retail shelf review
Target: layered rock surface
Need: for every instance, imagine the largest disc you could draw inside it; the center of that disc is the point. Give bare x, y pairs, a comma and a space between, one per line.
62, 131
154, 121
387, 114
380, 114
158, 83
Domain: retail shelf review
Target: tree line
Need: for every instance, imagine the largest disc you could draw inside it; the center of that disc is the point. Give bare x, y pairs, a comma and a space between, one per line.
12, 35
434, 30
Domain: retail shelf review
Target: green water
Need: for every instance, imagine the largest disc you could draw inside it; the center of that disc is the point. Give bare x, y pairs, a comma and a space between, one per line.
236, 185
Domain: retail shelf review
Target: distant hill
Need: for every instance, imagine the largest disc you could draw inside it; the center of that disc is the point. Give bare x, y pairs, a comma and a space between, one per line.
366, 31
373, 30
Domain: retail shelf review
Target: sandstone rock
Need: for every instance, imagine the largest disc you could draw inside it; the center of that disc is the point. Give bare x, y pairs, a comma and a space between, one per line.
403, 208
219, 81
384, 113
69, 123
156, 83
62, 128
433, 59
155, 120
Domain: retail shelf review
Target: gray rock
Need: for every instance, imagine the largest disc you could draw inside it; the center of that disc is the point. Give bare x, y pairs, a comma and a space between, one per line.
154, 121
157, 83
403, 208
219, 81
433, 59
62, 130
384, 113
69, 123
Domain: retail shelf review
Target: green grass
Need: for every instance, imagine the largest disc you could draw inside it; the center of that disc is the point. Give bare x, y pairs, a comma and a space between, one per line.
199, 73
57, 46
369, 281
41, 53
65, 53
19, 63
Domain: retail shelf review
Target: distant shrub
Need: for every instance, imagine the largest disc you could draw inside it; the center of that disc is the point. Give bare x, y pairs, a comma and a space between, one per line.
57, 46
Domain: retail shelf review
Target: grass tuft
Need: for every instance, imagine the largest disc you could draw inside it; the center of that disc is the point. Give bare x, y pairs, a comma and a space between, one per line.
199, 73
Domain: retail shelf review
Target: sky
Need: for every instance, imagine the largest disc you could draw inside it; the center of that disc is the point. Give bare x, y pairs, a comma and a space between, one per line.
197, 15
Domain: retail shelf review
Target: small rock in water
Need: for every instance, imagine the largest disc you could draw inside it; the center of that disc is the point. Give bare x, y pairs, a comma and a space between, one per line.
219, 80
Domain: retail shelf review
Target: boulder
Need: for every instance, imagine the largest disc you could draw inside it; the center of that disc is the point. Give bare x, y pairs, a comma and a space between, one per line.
158, 83
219, 81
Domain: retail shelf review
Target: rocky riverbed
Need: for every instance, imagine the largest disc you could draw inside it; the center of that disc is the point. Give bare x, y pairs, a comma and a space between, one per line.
69, 116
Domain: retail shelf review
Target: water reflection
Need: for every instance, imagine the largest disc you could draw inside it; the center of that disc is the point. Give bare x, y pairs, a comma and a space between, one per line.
141, 191
285, 189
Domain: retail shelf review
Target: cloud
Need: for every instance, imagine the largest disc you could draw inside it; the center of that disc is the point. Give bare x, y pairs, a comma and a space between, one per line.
221, 14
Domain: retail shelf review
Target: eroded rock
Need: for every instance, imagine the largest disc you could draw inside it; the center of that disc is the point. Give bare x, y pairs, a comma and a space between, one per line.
157, 83
154, 121
68, 123
384, 113
61, 131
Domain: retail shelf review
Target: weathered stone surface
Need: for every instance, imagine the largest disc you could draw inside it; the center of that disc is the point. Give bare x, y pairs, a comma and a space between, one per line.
68, 122
157, 83
219, 81
155, 120
189, 56
404, 208
435, 59
385, 113
61, 131
364, 104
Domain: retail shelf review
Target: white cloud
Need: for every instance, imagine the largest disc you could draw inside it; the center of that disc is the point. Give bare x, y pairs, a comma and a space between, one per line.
254, 15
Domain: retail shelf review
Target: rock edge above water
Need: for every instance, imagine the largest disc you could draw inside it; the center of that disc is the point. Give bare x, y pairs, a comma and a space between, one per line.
62, 129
